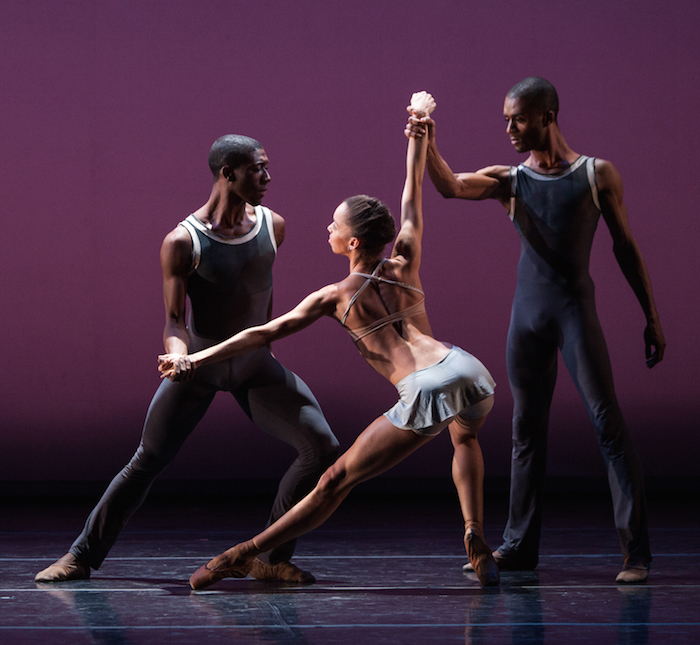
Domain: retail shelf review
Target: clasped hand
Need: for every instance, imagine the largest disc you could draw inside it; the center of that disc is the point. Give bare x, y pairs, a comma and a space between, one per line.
176, 367
422, 104
655, 344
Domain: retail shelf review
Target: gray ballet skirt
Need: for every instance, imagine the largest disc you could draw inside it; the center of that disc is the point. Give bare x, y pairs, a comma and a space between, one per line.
457, 385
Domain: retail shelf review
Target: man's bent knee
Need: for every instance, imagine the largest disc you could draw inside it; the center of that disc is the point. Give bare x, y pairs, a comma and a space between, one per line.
146, 463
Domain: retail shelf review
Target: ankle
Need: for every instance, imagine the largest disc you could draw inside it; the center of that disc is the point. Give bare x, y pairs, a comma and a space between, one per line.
476, 527
248, 549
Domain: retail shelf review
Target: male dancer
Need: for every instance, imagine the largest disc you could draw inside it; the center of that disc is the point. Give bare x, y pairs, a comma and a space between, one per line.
555, 199
221, 257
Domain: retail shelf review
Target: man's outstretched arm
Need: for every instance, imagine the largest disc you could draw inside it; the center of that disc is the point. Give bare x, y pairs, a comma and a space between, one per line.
629, 257
486, 183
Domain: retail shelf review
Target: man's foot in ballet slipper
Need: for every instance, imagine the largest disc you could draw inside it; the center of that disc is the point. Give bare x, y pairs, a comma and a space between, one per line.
285, 571
481, 559
234, 563
66, 568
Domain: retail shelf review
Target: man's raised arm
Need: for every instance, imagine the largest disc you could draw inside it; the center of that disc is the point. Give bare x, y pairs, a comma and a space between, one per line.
491, 182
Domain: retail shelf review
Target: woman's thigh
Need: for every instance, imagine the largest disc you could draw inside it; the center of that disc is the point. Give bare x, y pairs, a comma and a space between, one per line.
379, 447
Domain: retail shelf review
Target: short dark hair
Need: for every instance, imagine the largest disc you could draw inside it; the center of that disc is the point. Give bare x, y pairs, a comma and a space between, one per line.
537, 93
370, 222
231, 150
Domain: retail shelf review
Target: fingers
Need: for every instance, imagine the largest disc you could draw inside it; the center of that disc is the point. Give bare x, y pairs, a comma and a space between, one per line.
654, 352
655, 344
651, 352
654, 357
176, 367
418, 127
413, 134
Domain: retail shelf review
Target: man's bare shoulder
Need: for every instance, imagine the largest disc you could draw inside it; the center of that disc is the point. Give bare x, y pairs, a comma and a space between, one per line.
279, 226
176, 250
606, 175
179, 237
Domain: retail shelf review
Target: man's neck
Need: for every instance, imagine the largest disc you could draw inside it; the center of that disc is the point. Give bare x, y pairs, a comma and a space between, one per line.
224, 209
554, 156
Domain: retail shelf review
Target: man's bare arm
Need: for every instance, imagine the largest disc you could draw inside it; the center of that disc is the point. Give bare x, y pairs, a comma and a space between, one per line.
175, 261
279, 230
629, 257
487, 183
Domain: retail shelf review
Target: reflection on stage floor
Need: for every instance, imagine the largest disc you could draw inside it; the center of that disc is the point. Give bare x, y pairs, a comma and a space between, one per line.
388, 569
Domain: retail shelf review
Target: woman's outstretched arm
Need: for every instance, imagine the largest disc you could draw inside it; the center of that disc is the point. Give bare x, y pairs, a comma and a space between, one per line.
408, 241
178, 367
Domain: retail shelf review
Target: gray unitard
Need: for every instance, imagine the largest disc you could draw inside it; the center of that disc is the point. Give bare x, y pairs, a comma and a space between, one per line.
229, 288
554, 308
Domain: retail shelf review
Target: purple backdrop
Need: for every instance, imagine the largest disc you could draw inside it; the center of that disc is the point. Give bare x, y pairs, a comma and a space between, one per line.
108, 111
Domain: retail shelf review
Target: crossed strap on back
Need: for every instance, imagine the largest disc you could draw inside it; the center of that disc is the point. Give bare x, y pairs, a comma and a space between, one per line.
361, 332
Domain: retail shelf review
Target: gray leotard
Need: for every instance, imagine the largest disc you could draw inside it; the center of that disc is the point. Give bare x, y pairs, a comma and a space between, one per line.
230, 291
229, 288
554, 309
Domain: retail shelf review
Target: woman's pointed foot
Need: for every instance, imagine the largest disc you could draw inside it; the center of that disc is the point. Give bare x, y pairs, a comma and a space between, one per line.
481, 559
234, 563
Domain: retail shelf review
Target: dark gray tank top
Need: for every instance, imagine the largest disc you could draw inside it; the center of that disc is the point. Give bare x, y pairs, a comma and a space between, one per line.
556, 217
230, 284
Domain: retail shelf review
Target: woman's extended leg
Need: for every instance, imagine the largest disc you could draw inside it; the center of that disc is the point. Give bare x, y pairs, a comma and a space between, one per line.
379, 447
468, 477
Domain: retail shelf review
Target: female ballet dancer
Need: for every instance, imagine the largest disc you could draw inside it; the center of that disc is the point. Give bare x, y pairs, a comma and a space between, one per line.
380, 304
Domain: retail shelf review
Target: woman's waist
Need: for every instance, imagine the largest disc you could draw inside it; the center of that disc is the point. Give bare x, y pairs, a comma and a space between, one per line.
395, 362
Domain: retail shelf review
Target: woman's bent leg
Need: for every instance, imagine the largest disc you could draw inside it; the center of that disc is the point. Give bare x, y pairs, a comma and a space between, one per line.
379, 447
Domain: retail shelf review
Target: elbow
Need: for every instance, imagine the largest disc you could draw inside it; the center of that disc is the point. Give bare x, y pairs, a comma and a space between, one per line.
263, 338
448, 192
174, 326
623, 248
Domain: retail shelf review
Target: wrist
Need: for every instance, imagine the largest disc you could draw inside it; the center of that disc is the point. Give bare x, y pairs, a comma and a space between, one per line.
195, 359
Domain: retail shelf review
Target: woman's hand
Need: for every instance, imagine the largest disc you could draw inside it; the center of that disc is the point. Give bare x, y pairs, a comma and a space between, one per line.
176, 367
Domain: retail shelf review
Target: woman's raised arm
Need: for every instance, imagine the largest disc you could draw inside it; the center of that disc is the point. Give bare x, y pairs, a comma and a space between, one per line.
408, 241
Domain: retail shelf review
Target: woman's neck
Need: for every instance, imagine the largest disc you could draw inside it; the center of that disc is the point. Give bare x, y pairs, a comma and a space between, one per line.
363, 263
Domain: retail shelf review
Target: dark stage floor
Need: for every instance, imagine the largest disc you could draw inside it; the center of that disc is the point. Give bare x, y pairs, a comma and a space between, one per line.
389, 570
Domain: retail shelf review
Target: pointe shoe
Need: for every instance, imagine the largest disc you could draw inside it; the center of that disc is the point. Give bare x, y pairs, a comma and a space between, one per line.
632, 575
481, 559
509, 563
66, 568
234, 563
281, 571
